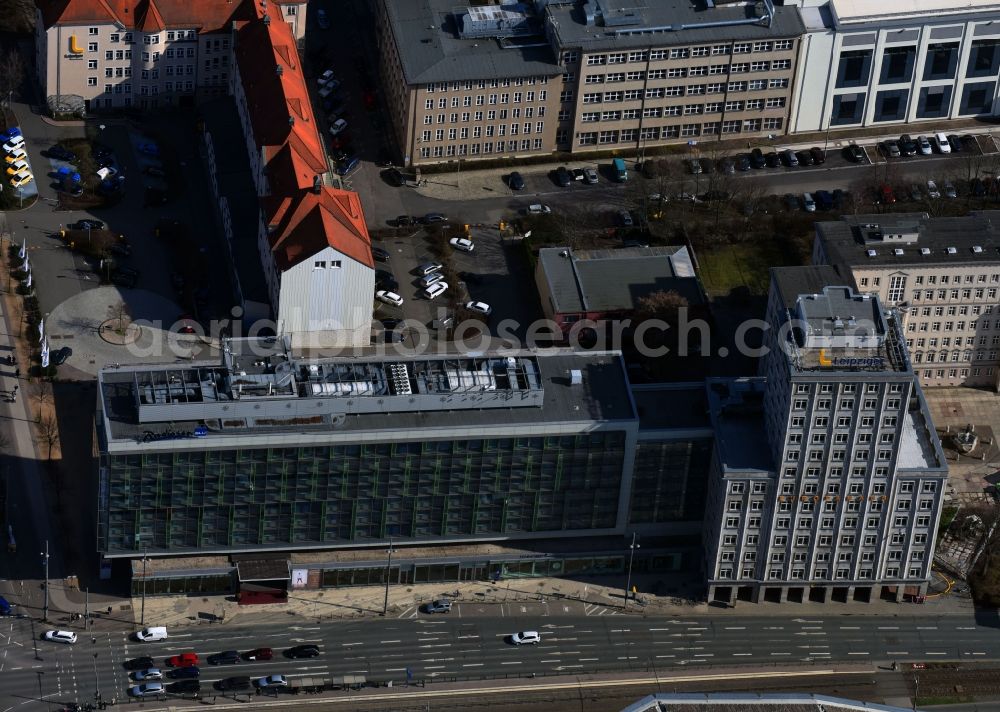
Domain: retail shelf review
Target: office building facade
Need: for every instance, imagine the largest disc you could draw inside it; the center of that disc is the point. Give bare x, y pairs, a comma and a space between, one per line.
882, 62
944, 276
590, 75
843, 502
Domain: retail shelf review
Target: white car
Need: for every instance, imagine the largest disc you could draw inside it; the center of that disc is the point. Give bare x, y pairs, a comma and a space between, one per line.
60, 636
462, 243
526, 637
924, 146
13, 145
271, 681
107, 172
338, 126
147, 674
150, 689
479, 307
436, 290
932, 189
539, 209
384, 295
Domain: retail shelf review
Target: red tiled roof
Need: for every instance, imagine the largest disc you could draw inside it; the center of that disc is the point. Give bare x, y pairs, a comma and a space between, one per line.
277, 96
307, 222
202, 15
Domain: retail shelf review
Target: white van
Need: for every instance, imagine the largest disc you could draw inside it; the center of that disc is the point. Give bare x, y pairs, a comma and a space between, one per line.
808, 203
941, 143
151, 635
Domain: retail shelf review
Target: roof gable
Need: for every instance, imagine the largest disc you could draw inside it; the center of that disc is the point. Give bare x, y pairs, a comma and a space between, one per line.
304, 224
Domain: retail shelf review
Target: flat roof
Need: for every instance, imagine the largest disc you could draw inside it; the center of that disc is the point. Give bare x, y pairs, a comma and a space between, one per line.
671, 406
792, 282
878, 11
912, 240
737, 411
614, 280
431, 50
287, 417
626, 24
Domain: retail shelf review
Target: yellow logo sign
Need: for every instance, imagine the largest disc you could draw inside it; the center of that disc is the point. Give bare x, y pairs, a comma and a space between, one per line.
824, 360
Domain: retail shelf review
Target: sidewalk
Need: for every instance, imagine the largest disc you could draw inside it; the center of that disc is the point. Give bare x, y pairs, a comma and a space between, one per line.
488, 183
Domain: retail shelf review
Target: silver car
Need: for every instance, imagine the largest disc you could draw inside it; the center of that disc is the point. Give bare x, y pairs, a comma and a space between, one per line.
149, 689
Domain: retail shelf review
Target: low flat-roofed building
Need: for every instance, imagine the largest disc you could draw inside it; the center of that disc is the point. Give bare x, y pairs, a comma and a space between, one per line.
942, 275
754, 702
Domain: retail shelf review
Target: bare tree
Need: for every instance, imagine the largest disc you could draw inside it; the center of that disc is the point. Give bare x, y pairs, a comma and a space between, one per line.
43, 395
18, 16
119, 311
48, 433
12, 69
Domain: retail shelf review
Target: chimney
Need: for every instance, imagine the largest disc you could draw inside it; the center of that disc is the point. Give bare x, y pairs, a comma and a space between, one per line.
291, 121
278, 70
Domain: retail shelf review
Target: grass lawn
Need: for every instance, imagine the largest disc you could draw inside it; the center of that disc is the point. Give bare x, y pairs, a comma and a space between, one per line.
728, 267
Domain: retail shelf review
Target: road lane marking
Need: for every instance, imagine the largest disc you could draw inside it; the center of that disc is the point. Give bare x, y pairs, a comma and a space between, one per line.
666, 656
547, 661
735, 627
476, 664
926, 627
896, 652
516, 662
859, 653
930, 653
384, 642
850, 627
704, 655
780, 653
742, 655
589, 660
888, 627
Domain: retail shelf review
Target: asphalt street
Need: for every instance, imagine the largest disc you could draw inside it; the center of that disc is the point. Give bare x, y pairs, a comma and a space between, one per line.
457, 646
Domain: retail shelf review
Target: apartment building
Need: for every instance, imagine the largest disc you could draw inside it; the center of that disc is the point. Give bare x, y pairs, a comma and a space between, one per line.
640, 75
455, 92
828, 476
590, 74
102, 54
943, 274
879, 62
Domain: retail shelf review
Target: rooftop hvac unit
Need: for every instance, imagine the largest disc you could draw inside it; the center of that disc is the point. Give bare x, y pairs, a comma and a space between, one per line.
576, 377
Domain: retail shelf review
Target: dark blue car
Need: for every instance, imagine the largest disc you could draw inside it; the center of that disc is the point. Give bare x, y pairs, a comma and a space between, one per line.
347, 165
183, 673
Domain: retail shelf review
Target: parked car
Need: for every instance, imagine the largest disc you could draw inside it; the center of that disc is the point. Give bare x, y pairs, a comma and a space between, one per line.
405, 221
59, 356
940, 143
338, 126
955, 141
184, 687
226, 657
17, 167
791, 201
322, 20
462, 243
86, 224
824, 201
61, 153
757, 158
907, 146
885, 195
431, 218
259, 654
538, 209
577, 174
728, 166
916, 195
442, 605
380, 255
625, 217
840, 198
855, 153
743, 162
694, 165
808, 204
303, 651
590, 176
147, 674
977, 188
325, 77
348, 164
430, 279
141, 663
183, 660
818, 155
10, 146
924, 146
60, 636
271, 681
435, 290
890, 149
515, 181
805, 158
387, 297
427, 268
184, 673
527, 637
21, 179
707, 165
772, 159
932, 190
233, 684
949, 189
18, 154
149, 689
562, 177
789, 158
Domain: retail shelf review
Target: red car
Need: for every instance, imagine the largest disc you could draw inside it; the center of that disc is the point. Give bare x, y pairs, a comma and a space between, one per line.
259, 654
886, 196
183, 660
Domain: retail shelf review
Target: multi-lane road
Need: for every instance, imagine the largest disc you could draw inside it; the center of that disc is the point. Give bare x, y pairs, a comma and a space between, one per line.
34, 673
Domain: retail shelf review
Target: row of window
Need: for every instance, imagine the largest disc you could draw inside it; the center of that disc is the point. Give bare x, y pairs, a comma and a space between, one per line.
928, 294
955, 356
778, 557
492, 115
478, 131
905, 487
484, 84
686, 110
654, 133
679, 72
845, 403
753, 522
663, 92
490, 99
953, 373
126, 87
937, 326
822, 573
485, 148
653, 55
958, 341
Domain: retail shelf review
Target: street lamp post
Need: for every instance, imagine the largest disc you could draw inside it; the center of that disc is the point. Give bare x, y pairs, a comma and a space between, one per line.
142, 614
628, 579
388, 566
45, 609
